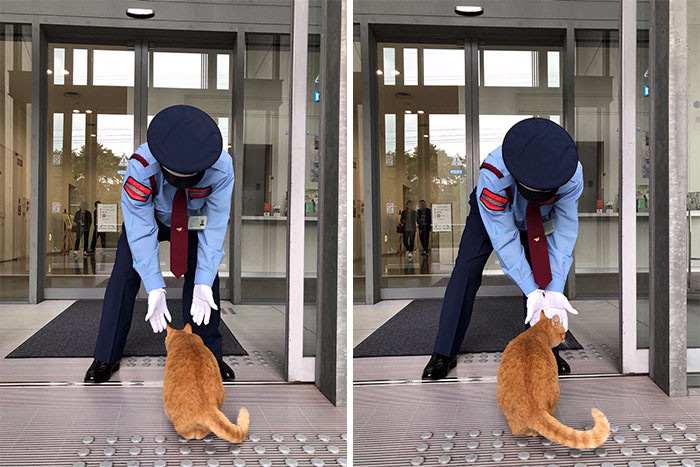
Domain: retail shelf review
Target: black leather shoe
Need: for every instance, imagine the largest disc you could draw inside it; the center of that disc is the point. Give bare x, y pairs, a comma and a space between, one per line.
439, 366
227, 373
563, 367
99, 372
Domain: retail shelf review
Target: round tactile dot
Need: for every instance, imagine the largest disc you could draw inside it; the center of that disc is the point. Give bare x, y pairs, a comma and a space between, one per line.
277, 438
83, 452
450, 434
497, 444
680, 425
284, 450
668, 437
588, 427
159, 463
259, 449
690, 436
342, 461
661, 463
159, 451
291, 462
299, 437
657, 426
473, 444
182, 440
497, 432
626, 452
333, 449
134, 451
550, 454
239, 463
688, 463
619, 439
601, 452
471, 458
497, 456
634, 464
136, 439
677, 449
614, 428
212, 463
208, 439
88, 440
607, 464
418, 460
111, 439
309, 449
643, 438
324, 438
109, 451
524, 455
344, 436
186, 463
474, 433
422, 447
635, 427
159, 439
133, 464
185, 450
316, 462
235, 450
426, 435
444, 459
106, 464
580, 464
78, 464
212, 450
265, 463
447, 446
652, 450
521, 442
254, 438
575, 453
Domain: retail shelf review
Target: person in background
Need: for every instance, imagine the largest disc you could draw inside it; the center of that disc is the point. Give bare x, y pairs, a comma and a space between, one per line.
408, 220
95, 233
82, 221
425, 224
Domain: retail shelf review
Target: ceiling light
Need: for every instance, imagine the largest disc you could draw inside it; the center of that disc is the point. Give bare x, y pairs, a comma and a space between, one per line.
93, 134
426, 136
380, 72
66, 72
469, 10
49, 71
407, 111
420, 112
88, 111
397, 72
140, 13
76, 111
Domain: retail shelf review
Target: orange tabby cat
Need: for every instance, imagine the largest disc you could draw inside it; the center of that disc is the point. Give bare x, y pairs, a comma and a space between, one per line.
193, 392
528, 388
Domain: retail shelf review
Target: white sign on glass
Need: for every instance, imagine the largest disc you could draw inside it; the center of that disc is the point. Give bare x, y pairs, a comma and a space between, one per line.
442, 217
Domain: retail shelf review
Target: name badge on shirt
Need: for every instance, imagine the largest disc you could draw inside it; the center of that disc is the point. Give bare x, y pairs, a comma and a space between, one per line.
197, 223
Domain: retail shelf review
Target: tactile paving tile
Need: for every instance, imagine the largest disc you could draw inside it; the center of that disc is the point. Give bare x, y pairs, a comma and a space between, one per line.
481, 435
127, 426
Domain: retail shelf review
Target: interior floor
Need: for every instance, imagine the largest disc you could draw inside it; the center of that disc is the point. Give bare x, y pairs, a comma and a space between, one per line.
596, 329
460, 423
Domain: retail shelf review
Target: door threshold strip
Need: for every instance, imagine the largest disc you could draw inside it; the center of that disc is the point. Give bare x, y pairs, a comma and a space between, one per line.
483, 379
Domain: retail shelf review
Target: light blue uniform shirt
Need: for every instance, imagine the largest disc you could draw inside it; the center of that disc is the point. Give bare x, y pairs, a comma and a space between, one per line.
140, 217
503, 226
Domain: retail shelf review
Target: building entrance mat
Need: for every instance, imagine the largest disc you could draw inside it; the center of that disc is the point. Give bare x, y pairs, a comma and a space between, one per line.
494, 322
73, 333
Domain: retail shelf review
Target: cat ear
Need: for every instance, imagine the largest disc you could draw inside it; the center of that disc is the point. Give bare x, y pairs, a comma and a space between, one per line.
168, 329
188, 328
542, 315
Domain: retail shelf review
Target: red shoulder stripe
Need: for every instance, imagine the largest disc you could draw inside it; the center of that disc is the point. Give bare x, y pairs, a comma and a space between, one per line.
494, 196
490, 205
199, 192
132, 194
152, 178
145, 190
491, 168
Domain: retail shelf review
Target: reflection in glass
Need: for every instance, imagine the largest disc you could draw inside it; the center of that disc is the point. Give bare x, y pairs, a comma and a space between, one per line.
510, 68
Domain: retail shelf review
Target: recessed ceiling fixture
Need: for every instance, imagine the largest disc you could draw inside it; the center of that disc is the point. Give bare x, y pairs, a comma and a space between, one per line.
420, 112
380, 72
407, 111
49, 71
71, 94
140, 13
76, 111
469, 10
88, 111
403, 95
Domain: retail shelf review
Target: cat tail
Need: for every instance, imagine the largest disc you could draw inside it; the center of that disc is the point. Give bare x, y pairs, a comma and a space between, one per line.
553, 429
224, 429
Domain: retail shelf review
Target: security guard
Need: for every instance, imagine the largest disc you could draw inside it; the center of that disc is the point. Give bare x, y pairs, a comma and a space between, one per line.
525, 207
177, 187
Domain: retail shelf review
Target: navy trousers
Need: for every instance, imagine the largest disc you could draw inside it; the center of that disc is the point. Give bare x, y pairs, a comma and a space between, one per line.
474, 251
123, 285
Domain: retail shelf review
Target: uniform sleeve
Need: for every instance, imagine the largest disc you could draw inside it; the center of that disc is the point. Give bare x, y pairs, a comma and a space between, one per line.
497, 216
140, 224
211, 240
562, 241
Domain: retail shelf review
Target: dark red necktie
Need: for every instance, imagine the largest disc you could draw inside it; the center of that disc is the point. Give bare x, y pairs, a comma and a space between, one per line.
178, 234
537, 241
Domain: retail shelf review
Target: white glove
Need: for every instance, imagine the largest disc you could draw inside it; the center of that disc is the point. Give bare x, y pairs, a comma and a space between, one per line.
556, 303
202, 303
157, 310
535, 304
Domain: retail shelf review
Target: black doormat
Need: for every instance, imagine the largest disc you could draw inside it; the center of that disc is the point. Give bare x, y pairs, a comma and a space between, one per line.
73, 333
495, 321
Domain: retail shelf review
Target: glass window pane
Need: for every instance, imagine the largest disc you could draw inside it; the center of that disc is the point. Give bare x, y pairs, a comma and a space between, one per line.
113, 68
389, 69
553, 69
390, 133
443, 67
222, 71
80, 67
180, 70
510, 68
59, 66
410, 67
